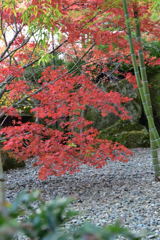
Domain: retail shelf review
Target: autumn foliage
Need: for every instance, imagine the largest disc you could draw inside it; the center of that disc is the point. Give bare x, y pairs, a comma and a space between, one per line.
62, 138
76, 143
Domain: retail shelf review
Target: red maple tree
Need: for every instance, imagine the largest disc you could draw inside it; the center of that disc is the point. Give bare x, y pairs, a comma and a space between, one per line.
60, 96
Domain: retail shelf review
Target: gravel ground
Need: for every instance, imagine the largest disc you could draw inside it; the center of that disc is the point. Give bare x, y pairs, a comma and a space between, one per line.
120, 191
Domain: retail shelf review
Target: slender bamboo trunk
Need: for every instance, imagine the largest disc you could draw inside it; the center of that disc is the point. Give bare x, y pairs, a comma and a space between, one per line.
142, 82
2, 194
143, 72
154, 136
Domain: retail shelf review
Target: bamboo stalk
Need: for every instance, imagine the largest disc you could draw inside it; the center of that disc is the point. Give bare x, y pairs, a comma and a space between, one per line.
2, 194
142, 82
144, 78
154, 136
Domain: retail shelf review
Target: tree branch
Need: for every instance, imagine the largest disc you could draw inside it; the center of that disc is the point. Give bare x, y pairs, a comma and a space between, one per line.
51, 52
16, 49
9, 45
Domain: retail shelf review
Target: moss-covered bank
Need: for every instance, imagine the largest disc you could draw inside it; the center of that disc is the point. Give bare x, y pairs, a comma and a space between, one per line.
130, 134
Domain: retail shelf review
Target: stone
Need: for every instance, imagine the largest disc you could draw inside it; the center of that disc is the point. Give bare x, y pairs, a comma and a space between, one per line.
130, 134
134, 107
99, 122
10, 162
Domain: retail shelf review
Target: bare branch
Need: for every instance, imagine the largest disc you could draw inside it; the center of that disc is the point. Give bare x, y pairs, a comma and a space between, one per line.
51, 52
16, 49
9, 45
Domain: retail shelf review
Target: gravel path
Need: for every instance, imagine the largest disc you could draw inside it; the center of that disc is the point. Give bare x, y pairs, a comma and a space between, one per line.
124, 191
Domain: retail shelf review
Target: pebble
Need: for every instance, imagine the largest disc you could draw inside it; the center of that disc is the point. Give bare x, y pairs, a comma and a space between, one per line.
119, 191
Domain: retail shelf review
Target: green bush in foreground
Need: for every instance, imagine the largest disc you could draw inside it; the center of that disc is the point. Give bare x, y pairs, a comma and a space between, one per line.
39, 220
